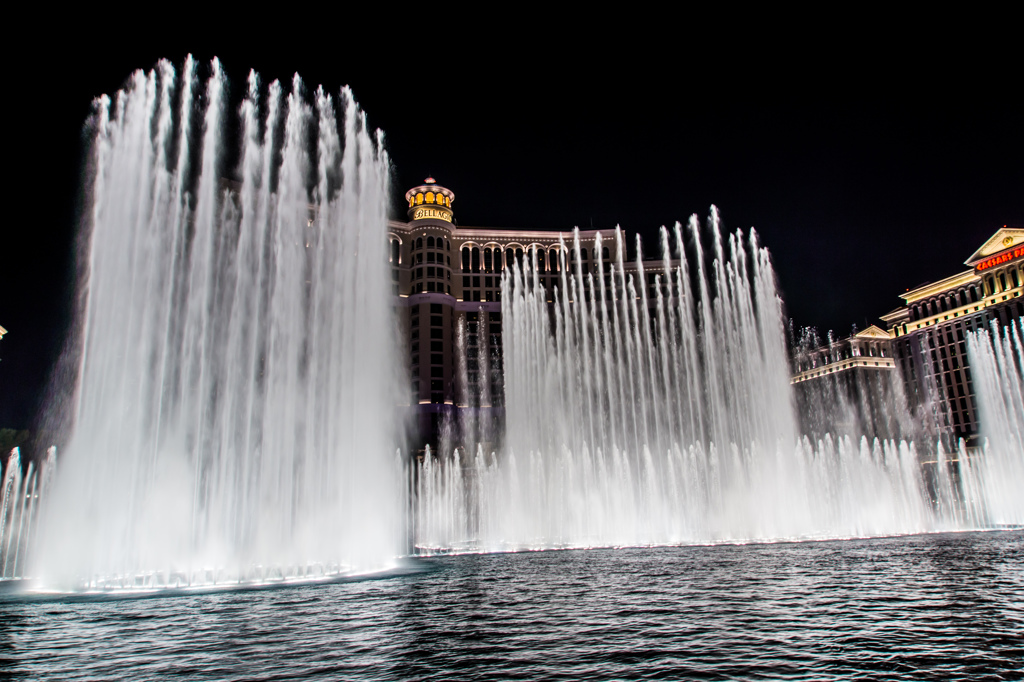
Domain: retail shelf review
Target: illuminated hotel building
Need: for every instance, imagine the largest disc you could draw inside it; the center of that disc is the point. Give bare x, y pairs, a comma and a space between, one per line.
929, 330
927, 336
444, 275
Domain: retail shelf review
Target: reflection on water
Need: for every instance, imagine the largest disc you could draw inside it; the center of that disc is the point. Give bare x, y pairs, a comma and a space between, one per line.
945, 606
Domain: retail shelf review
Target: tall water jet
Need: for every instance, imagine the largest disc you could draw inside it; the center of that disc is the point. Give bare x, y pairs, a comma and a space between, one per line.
994, 479
233, 418
656, 409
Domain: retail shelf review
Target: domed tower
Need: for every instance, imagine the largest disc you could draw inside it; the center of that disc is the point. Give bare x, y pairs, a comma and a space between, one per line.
430, 201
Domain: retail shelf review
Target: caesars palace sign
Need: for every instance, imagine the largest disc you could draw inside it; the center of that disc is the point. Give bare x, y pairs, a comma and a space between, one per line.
1000, 259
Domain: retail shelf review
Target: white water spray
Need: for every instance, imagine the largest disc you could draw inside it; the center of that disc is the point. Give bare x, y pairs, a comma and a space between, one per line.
234, 404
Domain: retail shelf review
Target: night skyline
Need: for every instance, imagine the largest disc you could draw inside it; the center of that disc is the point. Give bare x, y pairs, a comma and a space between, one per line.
862, 180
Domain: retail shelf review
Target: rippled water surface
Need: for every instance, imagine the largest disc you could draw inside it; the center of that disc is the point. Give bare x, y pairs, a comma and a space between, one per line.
923, 607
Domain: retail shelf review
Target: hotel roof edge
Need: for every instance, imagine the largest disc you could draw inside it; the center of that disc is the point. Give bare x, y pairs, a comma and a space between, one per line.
926, 290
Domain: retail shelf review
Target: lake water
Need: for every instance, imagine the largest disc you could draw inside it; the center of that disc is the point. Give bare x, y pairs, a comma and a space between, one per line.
945, 606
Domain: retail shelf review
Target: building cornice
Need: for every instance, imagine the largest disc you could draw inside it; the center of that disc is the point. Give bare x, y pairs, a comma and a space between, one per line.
935, 288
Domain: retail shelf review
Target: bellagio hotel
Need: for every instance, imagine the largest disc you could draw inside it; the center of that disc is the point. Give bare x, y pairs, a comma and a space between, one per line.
443, 275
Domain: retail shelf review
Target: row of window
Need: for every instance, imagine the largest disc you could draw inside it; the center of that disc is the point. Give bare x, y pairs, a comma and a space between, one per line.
547, 260
432, 287
431, 243
430, 198
991, 284
431, 272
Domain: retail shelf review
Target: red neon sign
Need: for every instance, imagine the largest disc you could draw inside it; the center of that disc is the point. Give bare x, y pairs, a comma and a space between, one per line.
1000, 259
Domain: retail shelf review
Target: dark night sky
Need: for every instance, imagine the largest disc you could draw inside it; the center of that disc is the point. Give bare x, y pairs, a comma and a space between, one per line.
868, 164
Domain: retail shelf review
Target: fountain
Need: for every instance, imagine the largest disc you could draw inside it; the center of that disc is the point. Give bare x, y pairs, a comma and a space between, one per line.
233, 408
640, 416
20, 497
996, 476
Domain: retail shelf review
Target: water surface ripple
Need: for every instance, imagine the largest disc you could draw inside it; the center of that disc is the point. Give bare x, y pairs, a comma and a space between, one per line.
924, 607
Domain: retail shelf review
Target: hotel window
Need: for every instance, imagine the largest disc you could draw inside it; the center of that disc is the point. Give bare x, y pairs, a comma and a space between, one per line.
430, 257
430, 243
419, 243
465, 260
487, 260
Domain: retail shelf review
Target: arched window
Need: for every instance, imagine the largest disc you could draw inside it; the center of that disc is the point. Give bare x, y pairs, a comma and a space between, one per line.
584, 253
429, 198
540, 261
465, 260
519, 257
605, 253
447, 245
509, 255
430, 242
1002, 281
476, 259
553, 260
394, 250
419, 197
1016, 278
487, 260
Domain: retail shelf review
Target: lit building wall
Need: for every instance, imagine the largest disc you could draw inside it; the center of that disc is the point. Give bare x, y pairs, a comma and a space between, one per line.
928, 337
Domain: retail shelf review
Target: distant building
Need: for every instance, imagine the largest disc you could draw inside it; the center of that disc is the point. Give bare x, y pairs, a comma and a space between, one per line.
929, 330
846, 387
444, 276
927, 344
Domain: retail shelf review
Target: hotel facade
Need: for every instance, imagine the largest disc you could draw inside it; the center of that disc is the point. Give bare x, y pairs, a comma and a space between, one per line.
446, 282
446, 278
924, 344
